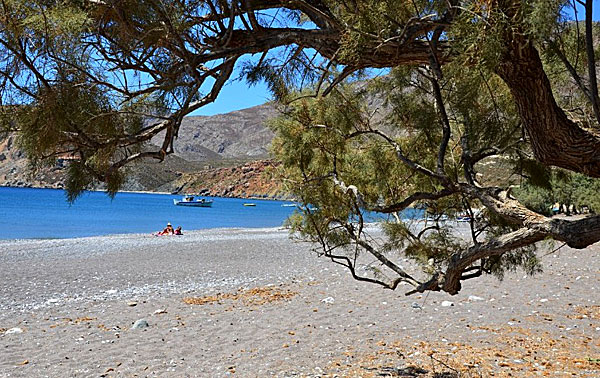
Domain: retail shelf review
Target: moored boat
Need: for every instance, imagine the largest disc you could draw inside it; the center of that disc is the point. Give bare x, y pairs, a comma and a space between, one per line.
192, 202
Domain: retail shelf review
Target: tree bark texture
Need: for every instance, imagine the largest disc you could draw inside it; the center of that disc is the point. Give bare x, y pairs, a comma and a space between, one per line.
555, 139
576, 233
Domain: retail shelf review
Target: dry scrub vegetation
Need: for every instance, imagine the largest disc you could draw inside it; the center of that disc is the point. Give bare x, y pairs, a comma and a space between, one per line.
251, 297
505, 351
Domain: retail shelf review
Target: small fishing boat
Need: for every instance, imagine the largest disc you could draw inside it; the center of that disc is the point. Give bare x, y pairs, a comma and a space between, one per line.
193, 202
249, 204
289, 205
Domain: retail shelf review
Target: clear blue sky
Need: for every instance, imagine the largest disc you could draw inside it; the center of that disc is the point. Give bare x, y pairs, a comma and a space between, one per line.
236, 95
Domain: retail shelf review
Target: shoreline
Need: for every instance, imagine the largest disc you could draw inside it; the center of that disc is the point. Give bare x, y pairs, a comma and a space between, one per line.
94, 214
189, 233
194, 232
283, 198
87, 190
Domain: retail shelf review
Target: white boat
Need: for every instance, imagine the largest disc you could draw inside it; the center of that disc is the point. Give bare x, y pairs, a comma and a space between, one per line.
192, 202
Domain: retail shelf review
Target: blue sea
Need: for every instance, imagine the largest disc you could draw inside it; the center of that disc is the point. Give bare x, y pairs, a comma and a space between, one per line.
27, 213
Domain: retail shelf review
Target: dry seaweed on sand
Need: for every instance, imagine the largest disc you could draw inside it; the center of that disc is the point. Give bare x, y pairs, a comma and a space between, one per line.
253, 297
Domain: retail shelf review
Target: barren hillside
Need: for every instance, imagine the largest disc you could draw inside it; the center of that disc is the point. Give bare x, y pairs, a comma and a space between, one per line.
241, 134
205, 145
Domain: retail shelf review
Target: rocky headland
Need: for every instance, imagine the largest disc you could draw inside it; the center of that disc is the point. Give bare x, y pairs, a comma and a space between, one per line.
251, 180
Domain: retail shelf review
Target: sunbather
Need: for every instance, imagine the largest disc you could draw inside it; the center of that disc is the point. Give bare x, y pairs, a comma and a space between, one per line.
168, 230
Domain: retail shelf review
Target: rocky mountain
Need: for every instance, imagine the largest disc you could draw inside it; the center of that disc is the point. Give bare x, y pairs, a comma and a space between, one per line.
208, 149
14, 169
144, 176
212, 153
240, 134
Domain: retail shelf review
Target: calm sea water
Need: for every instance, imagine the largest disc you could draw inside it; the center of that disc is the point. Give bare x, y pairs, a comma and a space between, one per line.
44, 213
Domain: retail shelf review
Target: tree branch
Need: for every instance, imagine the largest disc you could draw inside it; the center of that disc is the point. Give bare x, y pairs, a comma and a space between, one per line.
417, 196
591, 60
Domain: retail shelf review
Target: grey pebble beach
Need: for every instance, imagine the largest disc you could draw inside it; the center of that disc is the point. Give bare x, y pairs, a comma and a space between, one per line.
265, 305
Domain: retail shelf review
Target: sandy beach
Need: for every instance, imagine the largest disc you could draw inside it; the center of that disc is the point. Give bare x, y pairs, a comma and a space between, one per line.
253, 303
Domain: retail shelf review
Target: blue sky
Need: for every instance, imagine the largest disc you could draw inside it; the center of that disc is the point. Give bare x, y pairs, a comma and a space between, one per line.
236, 95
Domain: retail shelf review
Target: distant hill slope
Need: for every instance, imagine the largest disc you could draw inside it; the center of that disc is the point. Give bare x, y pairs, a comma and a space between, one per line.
241, 134
204, 143
249, 180
14, 170
145, 175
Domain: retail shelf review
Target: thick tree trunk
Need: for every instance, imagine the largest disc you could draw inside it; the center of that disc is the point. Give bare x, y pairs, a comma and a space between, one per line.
578, 233
495, 247
556, 140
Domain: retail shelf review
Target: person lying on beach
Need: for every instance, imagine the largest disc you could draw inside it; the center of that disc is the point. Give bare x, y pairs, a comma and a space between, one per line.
178, 231
167, 231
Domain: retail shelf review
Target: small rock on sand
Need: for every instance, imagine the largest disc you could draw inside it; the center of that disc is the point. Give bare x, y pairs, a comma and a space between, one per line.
140, 324
447, 304
13, 330
474, 298
131, 304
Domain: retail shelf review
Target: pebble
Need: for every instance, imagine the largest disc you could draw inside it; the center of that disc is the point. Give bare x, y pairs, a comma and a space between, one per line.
543, 300
13, 330
131, 304
415, 305
328, 300
474, 298
160, 311
447, 304
140, 324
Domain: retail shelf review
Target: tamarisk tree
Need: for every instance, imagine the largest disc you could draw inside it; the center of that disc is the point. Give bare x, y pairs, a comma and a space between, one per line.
469, 86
